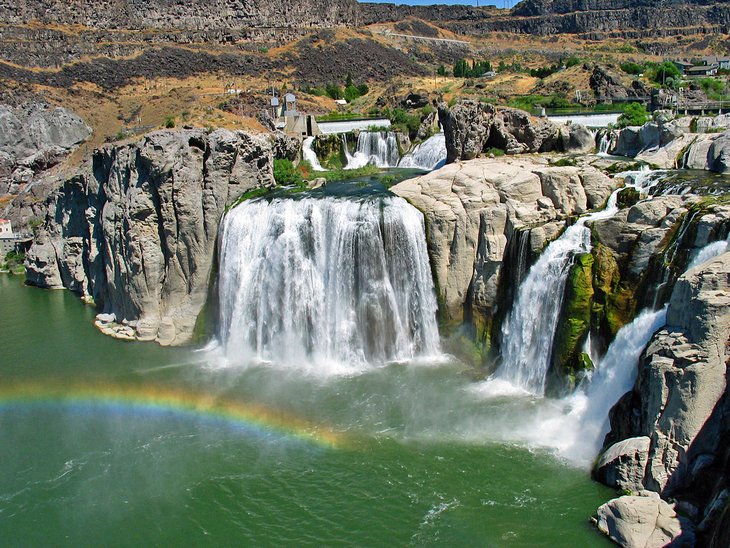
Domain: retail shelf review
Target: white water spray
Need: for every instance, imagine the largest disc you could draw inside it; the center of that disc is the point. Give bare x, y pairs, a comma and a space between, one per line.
378, 148
326, 283
710, 251
309, 154
428, 155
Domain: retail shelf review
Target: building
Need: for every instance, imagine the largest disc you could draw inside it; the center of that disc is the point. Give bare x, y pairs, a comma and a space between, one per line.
702, 70
723, 63
12, 241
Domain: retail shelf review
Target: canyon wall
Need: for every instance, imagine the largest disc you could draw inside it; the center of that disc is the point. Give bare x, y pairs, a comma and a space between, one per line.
135, 230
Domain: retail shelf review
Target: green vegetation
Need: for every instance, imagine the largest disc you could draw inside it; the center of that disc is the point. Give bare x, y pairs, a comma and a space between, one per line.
632, 68
462, 69
169, 122
713, 88
627, 197
13, 263
531, 102
635, 114
349, 92
403, 121
572, 332
441, 71
564, 162
544, 72
667, 74
493, 151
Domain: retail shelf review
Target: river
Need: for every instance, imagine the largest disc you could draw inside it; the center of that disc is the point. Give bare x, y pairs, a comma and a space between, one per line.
105, 442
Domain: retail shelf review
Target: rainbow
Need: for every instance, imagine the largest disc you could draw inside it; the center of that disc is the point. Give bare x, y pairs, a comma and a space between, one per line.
177, 401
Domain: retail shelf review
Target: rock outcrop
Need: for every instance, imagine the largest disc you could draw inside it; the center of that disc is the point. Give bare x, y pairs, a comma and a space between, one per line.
680, 404
33, 138
472, 210
471, 128
135, 229
675, 143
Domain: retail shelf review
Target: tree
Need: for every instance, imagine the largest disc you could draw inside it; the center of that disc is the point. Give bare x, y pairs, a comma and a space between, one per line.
441, 71
635, 114
334, 91
348, 81
665, 71
460, 68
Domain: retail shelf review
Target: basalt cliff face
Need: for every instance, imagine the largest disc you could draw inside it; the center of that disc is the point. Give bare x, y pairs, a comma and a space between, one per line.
135, 230
198, 15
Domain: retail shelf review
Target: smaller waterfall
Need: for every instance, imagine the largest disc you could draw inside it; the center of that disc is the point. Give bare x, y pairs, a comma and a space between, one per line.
379, 148
529, 329
604, 144
614, 375
428, 155
710, 251
309, 154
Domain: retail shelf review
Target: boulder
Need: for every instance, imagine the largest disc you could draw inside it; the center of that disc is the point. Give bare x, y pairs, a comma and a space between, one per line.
576, 138
719, 153
622, 465
639, 521
471, 127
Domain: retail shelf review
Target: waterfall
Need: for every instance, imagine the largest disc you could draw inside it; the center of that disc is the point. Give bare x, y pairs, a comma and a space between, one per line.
309, 154
710, 251
529, 328
615, 374
379, 148
604, 144
326, 282
428, 155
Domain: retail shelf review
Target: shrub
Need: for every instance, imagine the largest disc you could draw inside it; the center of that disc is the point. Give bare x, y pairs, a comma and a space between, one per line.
666, 71
169, 122
285, 173
635, 114
632, 68
334, 91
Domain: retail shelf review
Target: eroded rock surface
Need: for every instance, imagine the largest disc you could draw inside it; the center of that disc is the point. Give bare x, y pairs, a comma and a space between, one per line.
135, 230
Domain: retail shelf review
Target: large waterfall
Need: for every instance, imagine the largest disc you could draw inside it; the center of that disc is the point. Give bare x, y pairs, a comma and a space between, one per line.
326, 281
379, 148
429, 155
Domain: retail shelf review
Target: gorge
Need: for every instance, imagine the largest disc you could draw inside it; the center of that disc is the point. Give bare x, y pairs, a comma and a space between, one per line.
356, 273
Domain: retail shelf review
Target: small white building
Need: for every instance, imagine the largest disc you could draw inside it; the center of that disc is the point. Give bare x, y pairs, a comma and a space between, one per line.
7, 238
6, 229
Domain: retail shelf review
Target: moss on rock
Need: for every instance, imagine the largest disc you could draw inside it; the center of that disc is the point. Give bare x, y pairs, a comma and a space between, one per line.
575, 318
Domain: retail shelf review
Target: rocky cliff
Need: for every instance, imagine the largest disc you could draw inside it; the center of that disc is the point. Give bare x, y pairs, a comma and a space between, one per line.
34, 137
135, 229
473, 209
168, 14
670, 434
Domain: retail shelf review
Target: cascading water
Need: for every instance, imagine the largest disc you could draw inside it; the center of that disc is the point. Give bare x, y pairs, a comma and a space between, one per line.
710, 251
604, 144
326, 281
529, 329
309, 154
379, 148
429, 155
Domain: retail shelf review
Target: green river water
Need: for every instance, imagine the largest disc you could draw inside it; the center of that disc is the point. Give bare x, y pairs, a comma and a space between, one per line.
417, 459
